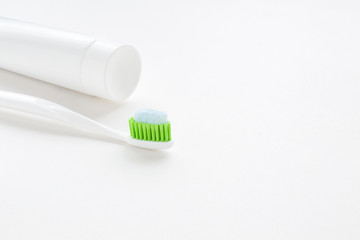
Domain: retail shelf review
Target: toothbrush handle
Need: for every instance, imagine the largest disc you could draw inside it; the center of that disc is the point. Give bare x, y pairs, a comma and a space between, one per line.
42, 107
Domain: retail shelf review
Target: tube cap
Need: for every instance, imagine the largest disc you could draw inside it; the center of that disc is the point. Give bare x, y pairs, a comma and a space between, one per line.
110, 70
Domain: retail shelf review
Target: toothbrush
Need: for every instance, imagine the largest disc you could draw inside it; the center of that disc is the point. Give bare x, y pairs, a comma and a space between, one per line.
149, 128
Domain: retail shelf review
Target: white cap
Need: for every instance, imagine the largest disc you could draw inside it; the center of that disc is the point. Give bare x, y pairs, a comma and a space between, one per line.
110, 70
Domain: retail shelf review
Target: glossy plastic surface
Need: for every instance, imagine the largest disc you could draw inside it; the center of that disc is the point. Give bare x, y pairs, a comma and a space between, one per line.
52, 110
83, 63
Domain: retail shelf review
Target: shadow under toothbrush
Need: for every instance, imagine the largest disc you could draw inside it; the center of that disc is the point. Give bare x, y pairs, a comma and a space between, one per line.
92, 107
141, 155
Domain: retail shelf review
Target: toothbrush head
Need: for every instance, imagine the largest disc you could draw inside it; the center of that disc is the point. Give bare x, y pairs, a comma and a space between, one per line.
150, 129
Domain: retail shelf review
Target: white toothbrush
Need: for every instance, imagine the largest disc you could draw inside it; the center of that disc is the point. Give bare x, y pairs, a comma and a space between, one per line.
52, 110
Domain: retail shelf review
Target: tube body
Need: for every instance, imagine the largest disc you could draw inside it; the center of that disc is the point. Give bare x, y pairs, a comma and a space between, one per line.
83, 63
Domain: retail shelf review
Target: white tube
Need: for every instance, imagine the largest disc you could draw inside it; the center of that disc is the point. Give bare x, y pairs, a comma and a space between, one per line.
83, 63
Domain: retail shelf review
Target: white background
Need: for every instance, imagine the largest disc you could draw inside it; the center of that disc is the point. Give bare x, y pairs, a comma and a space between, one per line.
263, 97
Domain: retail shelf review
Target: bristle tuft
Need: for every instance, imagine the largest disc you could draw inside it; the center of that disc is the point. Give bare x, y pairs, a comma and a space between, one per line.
150, 132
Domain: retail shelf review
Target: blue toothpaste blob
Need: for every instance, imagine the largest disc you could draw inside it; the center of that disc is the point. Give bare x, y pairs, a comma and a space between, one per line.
150, 116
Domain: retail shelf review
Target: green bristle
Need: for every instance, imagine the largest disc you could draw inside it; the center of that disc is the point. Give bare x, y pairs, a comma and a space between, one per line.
131, 128
156, 132
143, 128
150, 132
169, 131
140, 131
136, 130
162, 133
166, 133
